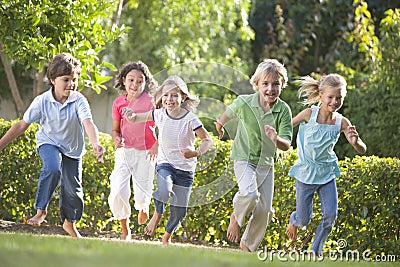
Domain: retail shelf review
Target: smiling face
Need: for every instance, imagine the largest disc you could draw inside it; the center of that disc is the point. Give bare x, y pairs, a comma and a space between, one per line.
331, 98
270, 87
135, 82
64, 85
172, 98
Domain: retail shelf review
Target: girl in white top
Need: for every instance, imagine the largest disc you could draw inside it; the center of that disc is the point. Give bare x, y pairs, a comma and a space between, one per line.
177, 156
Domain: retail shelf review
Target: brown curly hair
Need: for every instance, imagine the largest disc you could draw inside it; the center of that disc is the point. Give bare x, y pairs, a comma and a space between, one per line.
151, 83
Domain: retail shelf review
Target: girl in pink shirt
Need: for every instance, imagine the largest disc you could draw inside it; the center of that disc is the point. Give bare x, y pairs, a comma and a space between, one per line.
136, 146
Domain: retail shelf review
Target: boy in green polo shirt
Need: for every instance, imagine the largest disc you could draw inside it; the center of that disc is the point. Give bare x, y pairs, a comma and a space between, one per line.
265, 124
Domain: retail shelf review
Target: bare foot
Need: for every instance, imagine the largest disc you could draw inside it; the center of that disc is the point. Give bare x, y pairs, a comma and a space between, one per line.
38, 219
143, 216
151, 227
244, 247
291, 232
166, 239
70, 228
126, 231
233, 229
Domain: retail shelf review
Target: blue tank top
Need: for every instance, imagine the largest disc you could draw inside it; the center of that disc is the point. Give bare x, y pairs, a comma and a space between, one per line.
317, 161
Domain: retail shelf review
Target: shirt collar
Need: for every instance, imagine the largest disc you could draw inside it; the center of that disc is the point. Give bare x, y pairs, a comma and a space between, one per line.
275, 108
72, 97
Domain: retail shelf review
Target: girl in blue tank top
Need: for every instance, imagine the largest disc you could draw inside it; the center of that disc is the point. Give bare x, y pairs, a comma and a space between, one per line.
316, 168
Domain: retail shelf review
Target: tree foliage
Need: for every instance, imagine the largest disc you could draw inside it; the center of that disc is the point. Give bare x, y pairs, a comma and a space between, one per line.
167, 33
375, 108
32, 32
205, 42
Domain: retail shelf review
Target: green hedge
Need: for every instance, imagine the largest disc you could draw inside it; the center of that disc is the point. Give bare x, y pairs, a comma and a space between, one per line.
368, 190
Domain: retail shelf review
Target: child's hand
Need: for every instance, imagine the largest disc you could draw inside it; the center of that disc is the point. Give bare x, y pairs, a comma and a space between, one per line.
119, 142
271, 133
352, 135
99, 150
128, 114
152, 153
188, 153
220, 129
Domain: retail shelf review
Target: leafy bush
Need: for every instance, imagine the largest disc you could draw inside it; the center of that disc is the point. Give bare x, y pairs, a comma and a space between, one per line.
373, 106
368, 189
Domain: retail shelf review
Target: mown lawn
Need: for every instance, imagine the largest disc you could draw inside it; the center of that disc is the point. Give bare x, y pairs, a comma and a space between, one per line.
40, 251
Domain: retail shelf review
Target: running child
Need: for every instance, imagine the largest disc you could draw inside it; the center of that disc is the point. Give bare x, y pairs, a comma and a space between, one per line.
177, 158
136, 146
317, 168
64, 115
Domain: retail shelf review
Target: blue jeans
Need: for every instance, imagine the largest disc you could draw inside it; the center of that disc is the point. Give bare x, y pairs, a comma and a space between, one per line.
327, 194
173, 185
60, 169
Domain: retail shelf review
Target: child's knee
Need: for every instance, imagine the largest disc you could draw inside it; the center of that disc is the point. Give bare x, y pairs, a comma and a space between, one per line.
253, 197
52, 170
162, 195
330, 217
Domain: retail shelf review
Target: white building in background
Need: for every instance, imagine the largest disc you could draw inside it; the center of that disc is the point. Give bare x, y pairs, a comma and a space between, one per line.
101, 105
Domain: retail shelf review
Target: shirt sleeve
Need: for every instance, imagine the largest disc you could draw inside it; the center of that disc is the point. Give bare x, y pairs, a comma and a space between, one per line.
232, 111
156, 114
33, 113
84, 111
196, 123
115, 110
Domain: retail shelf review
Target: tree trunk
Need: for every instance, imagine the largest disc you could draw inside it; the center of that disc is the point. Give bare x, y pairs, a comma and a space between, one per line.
39, 83
19, 104
117, 14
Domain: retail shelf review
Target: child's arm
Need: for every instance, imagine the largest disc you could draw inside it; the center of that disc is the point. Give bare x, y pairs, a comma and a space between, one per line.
205, 145
153, 152
136, 118
116, 134
304, 115
16, 130
279, 142
93, 134
219, 124
352, 136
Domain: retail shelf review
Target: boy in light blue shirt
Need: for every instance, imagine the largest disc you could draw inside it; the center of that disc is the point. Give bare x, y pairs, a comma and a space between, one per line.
64, 115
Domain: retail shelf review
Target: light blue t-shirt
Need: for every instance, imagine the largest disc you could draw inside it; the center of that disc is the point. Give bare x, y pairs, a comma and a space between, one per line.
61, 123
317, 162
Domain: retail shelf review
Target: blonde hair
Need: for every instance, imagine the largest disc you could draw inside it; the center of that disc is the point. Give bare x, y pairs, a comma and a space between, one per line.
269, 67
190, 102
310, 88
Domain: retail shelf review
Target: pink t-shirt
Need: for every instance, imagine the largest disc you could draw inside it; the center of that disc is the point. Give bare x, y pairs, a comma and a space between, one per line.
141, 135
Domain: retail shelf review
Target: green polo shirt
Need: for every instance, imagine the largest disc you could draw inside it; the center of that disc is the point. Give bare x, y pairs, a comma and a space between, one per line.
251, 143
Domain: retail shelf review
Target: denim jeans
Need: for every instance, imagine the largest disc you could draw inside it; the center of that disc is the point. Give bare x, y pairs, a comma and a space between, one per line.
327, 194
60, 169
173, 185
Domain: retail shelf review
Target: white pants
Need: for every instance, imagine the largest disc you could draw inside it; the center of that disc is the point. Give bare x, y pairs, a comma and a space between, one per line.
256, 189
130, 162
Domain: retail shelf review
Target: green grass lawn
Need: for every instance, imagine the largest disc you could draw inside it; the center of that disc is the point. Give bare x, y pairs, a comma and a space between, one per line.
41, 251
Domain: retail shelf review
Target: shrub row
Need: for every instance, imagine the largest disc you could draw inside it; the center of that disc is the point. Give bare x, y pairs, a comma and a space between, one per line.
368, 188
